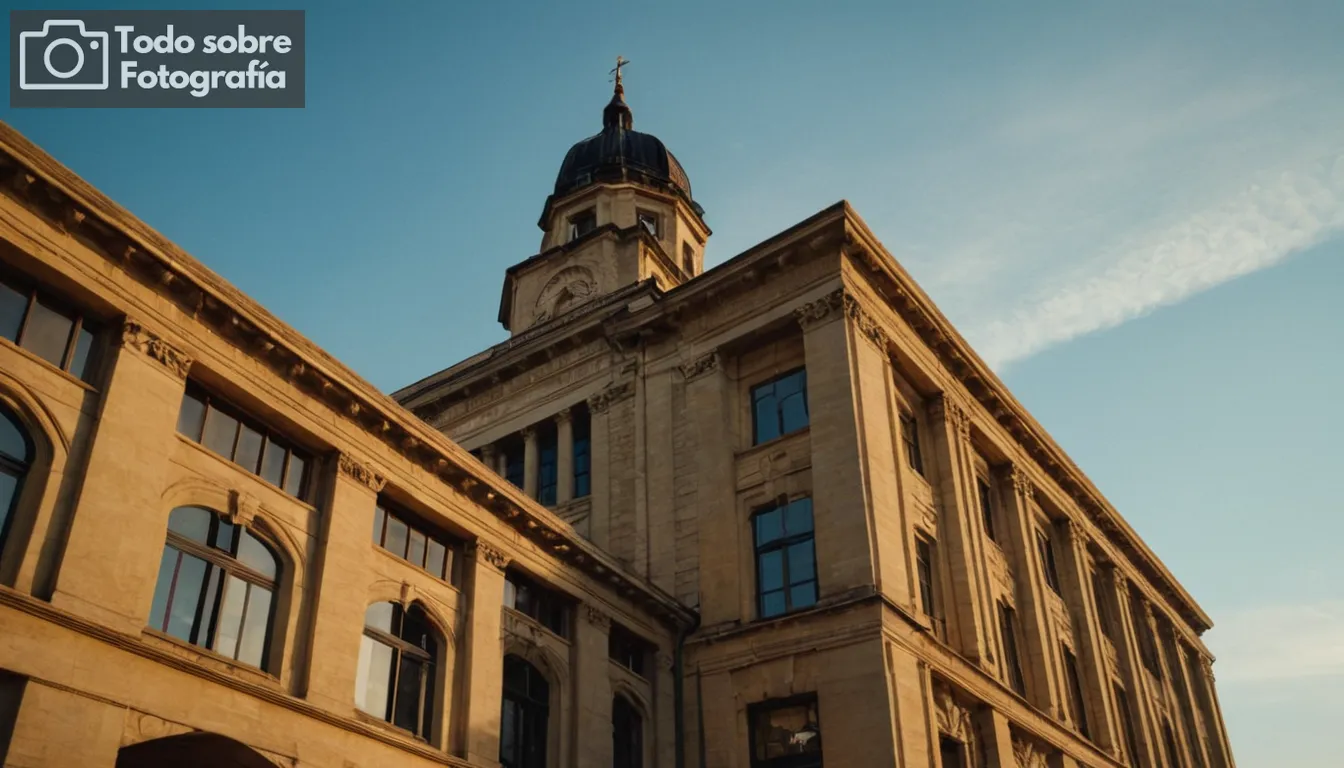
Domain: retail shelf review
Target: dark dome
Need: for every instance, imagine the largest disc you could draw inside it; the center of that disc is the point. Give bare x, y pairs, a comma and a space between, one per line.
620, 153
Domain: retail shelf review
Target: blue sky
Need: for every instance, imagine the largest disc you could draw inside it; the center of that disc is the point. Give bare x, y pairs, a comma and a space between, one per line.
1135, 212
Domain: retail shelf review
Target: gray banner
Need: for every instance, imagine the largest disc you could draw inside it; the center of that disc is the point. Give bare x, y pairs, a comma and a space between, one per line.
156, 59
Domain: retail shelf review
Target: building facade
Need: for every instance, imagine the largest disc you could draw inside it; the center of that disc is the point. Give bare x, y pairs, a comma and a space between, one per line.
775, 514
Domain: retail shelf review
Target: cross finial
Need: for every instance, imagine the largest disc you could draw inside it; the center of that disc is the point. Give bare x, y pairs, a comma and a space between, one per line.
620, 62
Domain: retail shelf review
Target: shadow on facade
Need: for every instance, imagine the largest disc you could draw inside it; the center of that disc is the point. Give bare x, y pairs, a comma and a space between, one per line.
198, 750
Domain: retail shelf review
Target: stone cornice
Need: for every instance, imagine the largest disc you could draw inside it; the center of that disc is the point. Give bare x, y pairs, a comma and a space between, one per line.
136, 336
361, 473
45, 187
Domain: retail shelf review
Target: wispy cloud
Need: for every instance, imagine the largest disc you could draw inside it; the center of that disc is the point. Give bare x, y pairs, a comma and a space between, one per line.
1274, 643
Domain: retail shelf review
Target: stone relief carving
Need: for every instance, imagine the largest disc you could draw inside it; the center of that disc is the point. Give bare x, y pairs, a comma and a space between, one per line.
953, 719
1028, 754
361, 473
136, 336
702, 365
142, 726
865, 323
821, 310
489, 553
597, 617
1022, 483
243, 508
602, 401
566, 289
945, 407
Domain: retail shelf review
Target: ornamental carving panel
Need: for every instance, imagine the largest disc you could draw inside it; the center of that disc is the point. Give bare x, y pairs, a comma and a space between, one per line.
488, 553
1028, 754
136, 336
953, 719
822, 310
597, 617
603, 400
866, 324
702, 365
142, 726
566, 289
361, 473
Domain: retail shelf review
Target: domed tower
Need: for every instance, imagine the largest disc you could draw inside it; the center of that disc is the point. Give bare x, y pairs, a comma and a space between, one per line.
621, 212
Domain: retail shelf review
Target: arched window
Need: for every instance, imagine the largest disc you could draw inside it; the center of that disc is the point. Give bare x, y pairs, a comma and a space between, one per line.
522, 729
627, 734
396, 667
216, 587
16, 454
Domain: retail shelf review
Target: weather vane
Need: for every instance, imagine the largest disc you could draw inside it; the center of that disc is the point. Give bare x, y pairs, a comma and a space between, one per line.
620, 62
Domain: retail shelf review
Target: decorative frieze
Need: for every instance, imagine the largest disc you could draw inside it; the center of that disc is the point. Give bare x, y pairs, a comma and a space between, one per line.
705, 364
361, 473
485, 552
823, 309
136, 336
603, 400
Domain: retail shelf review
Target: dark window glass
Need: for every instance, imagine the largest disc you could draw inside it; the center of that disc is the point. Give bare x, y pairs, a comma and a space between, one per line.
924, 568
414, 541
786, 573
1047, 553
215, 424
986, 507
511, 449
628, 649
1076, 703
218, 596
785, 734
549, 608
397, 657
1147, 643
16, 454
688, 258
583, 452
1169, 741
40, 326
627, 734
13, 306
581, 224
779, 406
910, 436
548, 456
47, 333
1126, 725
952, 752
524, 716
79, 359
1103, 607
1008, 630
649, 221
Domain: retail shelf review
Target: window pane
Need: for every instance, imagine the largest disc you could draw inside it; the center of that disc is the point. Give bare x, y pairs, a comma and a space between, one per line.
406, 710
213, 577
256, 627
374, 676
186, 596
192, 522
798, 516
397, 534
767, 419
48, 333
772, 570
434, 559
12, 441
191, 416
378, 516
249, 449
12, 306
294, 478
801, 567
167, 569
224, 533
793, 412
273, 463
379, 616
416, 552
9, 485
772, 604
231, 617
80, 362
803, 595
220, 429
769, 526
790, 730
256, 555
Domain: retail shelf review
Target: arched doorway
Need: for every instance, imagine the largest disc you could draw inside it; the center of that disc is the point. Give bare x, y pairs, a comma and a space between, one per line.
198, 750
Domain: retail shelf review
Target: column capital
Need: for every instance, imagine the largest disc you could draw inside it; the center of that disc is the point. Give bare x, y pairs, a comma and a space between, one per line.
1077, 533
701, 366
488, 453
486, 553
1022, 483
563, 416
866, 324
135, 336
946, 407
360, 472
597, 617
1206, 666
529, 432
820, 311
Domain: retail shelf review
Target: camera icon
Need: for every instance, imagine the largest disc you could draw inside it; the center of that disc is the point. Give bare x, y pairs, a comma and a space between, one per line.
64, 56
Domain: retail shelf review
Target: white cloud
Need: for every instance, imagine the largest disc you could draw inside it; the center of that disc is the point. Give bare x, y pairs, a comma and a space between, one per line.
1273, 643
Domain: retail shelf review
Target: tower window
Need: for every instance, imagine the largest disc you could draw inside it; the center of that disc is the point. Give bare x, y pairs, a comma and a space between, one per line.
688, 258
649, 221
581, 224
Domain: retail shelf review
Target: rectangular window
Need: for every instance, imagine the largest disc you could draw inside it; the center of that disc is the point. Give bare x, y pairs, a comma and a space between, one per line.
581, 224
786, 571
583, 451
910, 436
986, 506
546, 606
1147, 643
1126, 725
1076, 702
779, 406
46, 327
924, 568
951, 752
1012, 661
688, 258
412, 540
511, 450
649, 221
226, 430
785, 733
1173, 754
548, 458
1103, 607
628, 649
1046, 550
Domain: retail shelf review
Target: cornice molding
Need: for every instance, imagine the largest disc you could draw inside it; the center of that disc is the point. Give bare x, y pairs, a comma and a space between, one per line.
701, 366
135, 336
361, 473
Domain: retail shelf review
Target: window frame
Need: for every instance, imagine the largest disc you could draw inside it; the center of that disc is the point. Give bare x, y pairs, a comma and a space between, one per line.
629, 650
1073, 679
642, 213
782, 545
550, 603
985, 498
548, 469
779, 412
1045, 550
1126, 723
209, 401
926, 561
1013, 657
452, 546
16, 467
914, 457
587, 215
581, 450
760, 708
429, 667
34, 293
688, 259
530, 705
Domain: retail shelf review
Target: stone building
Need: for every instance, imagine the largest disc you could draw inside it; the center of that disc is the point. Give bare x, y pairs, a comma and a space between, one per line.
775, 514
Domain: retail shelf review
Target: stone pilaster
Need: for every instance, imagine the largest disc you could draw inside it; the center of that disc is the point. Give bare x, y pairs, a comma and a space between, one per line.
1094, 679
490, 457
722, 550
564, 465
993, 729
1197, 719
1146, 730
1219, 747
483, 654
1033, 612
1182, 716
594, 692
531, 461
